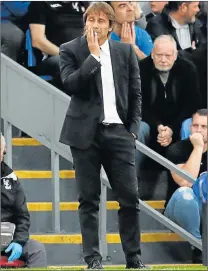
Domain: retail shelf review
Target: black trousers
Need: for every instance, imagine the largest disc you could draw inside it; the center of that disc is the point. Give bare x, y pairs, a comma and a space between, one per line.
114, 148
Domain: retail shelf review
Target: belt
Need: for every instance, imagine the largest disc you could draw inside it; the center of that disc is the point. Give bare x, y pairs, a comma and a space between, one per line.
106, 124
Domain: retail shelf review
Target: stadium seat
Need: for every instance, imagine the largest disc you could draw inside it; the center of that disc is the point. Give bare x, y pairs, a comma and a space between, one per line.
185, 129
14, 264
31, 60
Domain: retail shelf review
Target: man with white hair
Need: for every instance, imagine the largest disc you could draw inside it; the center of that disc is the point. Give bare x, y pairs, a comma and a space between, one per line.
169, 92
14, 210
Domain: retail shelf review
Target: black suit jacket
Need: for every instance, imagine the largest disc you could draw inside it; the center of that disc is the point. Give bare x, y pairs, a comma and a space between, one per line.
162, 25
81, 77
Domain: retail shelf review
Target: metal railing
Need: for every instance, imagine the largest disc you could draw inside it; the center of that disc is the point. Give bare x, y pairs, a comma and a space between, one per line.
38, 109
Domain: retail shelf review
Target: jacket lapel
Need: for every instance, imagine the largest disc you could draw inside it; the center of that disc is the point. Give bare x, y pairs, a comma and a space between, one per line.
115, 64
98, 81
84, 52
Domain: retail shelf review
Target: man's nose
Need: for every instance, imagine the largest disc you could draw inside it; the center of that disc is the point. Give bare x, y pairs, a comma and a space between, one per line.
163, 59
199, 129
95, 24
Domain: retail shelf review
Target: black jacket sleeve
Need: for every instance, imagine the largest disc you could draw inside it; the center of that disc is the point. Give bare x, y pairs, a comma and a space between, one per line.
75, 78
21, 216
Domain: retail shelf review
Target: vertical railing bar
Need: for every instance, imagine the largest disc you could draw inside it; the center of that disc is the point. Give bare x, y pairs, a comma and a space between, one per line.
103, 219
55, 191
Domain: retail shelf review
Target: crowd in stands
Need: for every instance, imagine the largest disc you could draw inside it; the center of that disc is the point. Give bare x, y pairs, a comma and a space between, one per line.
170, 41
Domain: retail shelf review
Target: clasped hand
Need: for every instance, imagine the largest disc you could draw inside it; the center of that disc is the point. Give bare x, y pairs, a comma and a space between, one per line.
165, 134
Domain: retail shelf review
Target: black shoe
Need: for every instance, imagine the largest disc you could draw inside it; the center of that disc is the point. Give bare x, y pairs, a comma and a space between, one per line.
135, 265
95, 264
196, 256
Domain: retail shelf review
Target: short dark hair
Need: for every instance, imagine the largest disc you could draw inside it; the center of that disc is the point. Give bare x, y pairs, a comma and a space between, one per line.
201, 112
100, 7
174, 5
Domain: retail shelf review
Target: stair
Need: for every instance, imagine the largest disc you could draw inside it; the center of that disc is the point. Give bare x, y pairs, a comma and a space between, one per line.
32, 164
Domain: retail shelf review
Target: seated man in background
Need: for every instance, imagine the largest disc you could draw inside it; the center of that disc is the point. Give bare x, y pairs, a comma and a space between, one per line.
156, 8
14, 210
184, 205
178, 19
14, 23
124, 29
51, 24
170, 92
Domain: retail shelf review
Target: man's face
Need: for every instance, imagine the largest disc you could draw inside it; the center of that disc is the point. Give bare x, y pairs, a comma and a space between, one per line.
199, 125
100, 24
3, 150
190, 10
124, 12
164, 55
157, 7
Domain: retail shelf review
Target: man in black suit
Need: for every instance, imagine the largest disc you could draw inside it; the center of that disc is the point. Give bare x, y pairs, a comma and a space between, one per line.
102, 78
178, 19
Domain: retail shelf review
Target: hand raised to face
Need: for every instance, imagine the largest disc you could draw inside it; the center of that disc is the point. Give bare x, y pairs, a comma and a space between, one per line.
92, 40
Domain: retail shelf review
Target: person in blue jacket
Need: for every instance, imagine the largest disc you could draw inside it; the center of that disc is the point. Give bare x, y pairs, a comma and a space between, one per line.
125, 30
13, 25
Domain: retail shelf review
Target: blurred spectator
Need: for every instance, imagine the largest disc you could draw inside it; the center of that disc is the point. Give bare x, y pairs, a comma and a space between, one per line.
156, 8
199, 58
51, 24
202, 16
124, 29
179, 20
184, 204
13, 25
169, 92
140, 19
145, 6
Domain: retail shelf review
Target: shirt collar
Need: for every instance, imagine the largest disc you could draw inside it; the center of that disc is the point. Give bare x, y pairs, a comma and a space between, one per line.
176, 25
105, 47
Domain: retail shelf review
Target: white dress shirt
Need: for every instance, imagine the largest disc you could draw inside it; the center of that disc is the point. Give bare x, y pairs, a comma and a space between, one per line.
183, 34
109, 95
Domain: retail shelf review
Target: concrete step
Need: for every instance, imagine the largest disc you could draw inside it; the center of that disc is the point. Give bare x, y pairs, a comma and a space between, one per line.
35, 157
67, 249
28, 154
112, 238
41, 217
33, 180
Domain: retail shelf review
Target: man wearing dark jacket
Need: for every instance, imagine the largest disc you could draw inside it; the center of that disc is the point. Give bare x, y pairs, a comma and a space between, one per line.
102, 78
14, 210
178, 19
170, 92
